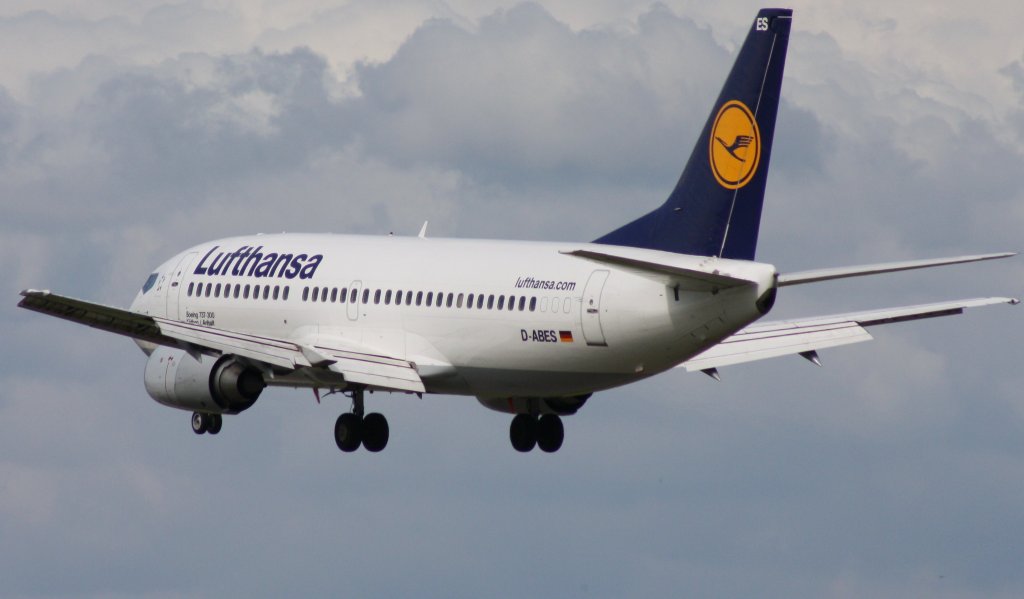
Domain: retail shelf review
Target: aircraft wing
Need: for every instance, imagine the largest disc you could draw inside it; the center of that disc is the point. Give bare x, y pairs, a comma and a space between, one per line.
371, 369
805, 336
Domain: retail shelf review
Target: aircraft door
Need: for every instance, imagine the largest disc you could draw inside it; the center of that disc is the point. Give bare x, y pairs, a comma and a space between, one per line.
175, 286
353, 301
591, 308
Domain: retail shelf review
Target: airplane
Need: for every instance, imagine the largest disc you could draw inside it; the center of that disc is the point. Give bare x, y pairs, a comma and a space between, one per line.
532, 329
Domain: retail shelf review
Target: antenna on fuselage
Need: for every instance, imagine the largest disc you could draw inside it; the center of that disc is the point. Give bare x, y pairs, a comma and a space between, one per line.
423, 230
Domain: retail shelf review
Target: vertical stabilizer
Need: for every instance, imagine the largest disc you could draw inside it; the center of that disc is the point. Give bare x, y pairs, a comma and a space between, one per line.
715, 209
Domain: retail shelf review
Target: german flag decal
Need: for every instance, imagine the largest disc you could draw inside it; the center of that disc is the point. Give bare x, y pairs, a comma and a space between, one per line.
565, 336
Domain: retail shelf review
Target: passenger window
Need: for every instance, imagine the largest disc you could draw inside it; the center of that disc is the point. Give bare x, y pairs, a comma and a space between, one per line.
533, 304
408, 298
245, 292
255, 292
305, 293
490, 302
342, 295
190, 286
398, 297
387, 298
334, 294
216, 290
277, 290
376, 296
266, 291
285, 295
511, 302
543, 304
501, 302
238, 290
209, 289
323, 294
451, 299
469, 301
522, 302
366, 296
458, 302
480, 301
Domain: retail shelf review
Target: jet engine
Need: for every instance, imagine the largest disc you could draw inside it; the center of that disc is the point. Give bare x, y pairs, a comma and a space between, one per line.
221, 385
562, 406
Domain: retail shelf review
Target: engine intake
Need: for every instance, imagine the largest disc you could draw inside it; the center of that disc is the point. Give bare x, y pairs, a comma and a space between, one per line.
221, 385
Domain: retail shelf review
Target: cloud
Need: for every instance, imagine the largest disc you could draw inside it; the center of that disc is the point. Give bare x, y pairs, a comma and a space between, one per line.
131, 130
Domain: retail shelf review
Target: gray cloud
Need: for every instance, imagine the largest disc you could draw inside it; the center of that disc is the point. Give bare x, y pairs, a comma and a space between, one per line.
893, 471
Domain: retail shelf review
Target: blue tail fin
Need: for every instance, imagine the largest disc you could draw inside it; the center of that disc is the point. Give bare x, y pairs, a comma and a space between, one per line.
715, 209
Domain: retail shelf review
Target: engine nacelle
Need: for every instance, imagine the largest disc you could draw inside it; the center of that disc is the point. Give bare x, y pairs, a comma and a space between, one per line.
563, 406
217, 385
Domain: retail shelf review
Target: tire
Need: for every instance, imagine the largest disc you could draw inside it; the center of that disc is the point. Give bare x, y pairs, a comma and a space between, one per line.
375, 432
550, 433
216, 421
200, 423
348, 432
523, 432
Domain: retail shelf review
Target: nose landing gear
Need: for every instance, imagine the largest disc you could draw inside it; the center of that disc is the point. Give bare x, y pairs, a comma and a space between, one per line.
203, 422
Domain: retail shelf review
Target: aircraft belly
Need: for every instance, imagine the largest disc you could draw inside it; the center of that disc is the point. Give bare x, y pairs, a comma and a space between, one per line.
491, 382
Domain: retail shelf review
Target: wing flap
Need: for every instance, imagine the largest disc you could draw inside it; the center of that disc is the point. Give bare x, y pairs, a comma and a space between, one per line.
276, 352
374, 370
788, 337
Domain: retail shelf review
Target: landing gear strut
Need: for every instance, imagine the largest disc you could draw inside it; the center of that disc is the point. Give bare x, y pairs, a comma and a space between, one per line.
528, 431
356, 428
203, 422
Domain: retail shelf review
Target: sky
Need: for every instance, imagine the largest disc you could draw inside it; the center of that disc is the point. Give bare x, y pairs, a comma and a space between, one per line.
130, 130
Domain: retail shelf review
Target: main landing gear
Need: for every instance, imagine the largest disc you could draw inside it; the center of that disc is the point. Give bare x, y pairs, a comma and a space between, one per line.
545, 432
203, 422
356, 428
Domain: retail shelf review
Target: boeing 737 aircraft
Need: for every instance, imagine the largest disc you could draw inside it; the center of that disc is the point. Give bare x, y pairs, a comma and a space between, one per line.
531, 329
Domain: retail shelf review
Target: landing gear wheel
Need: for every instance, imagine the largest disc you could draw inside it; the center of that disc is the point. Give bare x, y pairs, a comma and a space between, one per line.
348, 432
375, 432
550, 433
215, 422
200, 423
523, 432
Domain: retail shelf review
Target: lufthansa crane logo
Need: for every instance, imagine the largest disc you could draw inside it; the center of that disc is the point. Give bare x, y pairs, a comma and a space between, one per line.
735, 145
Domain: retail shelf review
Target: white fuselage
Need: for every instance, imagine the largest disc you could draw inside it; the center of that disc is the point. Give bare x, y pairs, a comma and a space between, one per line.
515, 319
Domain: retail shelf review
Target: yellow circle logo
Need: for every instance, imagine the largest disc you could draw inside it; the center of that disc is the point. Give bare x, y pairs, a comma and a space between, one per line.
735, 145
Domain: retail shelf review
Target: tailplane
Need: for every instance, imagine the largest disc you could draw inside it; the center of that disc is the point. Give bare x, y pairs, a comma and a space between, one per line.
715, 209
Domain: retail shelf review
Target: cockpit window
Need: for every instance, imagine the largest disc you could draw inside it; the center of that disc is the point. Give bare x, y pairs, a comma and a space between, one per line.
149, 282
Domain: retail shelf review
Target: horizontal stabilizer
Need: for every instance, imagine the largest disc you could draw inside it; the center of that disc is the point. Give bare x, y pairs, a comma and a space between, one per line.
828, 274
690, 278
805, 336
